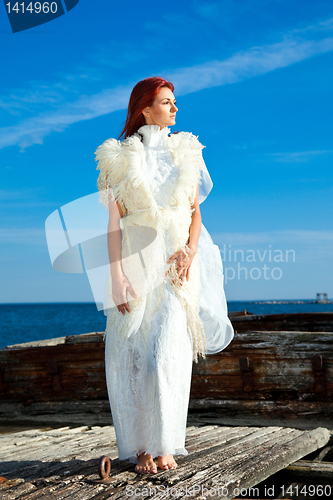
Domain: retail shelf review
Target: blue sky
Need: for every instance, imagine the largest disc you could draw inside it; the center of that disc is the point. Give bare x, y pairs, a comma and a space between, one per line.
252, 79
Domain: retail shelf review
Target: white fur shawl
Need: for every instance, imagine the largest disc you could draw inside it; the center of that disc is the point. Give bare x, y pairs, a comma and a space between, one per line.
120, 167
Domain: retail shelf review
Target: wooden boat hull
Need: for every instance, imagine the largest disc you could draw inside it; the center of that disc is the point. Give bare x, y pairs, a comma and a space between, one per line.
263, 374
299, 322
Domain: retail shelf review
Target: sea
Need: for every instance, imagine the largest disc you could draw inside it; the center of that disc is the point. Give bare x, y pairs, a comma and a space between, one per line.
21, 323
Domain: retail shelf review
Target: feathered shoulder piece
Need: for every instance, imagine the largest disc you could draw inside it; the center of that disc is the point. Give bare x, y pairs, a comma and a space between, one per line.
119, 163
110, 163
185, 141
112, 167
112, 155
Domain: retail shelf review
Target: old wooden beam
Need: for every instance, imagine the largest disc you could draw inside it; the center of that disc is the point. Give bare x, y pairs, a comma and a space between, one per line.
309, 470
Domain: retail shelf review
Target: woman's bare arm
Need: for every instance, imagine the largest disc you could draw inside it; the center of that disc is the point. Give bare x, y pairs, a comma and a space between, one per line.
184, 261
115, 238
120, 283
195, 227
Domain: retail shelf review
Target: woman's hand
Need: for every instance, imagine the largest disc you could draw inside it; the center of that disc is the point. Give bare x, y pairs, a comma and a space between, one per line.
184, 262
120, 284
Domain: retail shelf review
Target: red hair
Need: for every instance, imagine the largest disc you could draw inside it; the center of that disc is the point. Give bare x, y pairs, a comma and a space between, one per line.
142, 96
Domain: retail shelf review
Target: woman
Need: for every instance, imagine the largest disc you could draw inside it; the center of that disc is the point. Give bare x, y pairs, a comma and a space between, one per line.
161, 254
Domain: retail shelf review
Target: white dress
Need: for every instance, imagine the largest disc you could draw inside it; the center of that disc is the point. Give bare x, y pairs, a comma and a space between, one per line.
149, 351
149, 374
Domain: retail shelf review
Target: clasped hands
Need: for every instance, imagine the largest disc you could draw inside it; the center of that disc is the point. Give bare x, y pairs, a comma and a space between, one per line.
183, 262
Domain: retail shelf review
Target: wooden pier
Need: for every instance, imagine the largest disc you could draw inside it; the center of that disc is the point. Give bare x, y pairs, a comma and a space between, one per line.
63, 463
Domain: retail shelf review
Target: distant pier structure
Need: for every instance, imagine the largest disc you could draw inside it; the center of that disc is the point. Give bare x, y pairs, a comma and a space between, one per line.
322, 298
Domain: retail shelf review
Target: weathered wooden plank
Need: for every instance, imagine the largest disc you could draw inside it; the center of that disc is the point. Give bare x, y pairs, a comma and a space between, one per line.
325, 453
265, 365
33, 449
284, 406
86, 338
17, 491
22, 445
70, 339
310, 322
303, 469
37, 343
205, 411
50, 449
193, 430
26, 438
277, 458
231, 418
21, 441
57, 492
61, 412
235, 436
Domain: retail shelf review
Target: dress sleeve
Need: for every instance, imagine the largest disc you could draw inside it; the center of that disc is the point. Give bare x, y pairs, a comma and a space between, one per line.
111, 164
206, 183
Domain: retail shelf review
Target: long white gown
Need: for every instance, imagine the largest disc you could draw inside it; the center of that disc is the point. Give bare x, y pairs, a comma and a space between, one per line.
148, 372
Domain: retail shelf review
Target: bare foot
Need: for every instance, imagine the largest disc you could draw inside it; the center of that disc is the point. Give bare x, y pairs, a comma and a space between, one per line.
167, 462
145, 464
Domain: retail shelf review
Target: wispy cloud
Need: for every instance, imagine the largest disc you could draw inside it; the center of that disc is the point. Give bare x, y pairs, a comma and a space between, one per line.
298, 156
23, 236
247, 64
290, 235
16, 194
254, 144
23, 198
34, 129
326, 25
255, 61
308, 245
25, 100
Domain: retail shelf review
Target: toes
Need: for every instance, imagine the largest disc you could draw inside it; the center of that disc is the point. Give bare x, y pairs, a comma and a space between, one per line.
146, 469
168, 465
152, 470
145, 464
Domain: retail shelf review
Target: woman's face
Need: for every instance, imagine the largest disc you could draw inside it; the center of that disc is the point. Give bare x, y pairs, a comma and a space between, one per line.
163, 110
